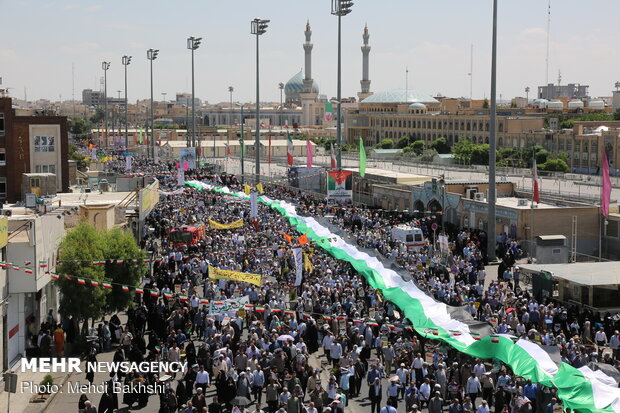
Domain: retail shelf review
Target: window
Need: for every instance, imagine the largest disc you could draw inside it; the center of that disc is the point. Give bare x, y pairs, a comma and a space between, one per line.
611, 229
2, 188
2, 156
45, 169
44, 144
35, 183
1, 124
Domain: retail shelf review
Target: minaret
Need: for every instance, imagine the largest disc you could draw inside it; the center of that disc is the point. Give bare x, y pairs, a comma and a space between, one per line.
309, 115
308, 52
365, 82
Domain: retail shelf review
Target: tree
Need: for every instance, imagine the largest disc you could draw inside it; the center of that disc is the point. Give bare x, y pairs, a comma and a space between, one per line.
554, 165
79, 127
417, 147
616, 114
403, 142
428, 155
97, 116
441, 145
463, 150
485, 104
385, 144
81, 246
119, 244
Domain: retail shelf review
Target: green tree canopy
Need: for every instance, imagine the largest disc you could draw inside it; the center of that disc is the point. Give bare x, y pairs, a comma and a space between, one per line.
403, 142
441, 145
119, 244
554, 165
385, 144
81, 246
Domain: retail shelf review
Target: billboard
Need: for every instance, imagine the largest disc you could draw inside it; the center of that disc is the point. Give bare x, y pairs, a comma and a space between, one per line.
147, 199
188, 155
4, 231
339, 185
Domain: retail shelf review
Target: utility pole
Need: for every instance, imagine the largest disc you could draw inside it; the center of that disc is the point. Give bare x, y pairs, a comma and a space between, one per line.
126, 61
492, 142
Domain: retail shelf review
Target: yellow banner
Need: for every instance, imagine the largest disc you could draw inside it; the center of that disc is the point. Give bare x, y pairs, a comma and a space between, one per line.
237, 224
218, 274
4, 232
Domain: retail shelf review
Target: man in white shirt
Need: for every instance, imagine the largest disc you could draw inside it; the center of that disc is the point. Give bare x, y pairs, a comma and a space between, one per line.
336, 352
425, 392
311, 408
600, 337
473, 387
417, 365
202, 379
327, 345
479, 369
403, 377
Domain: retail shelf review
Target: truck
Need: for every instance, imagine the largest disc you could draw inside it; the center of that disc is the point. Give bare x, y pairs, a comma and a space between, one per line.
187, 235
412, 237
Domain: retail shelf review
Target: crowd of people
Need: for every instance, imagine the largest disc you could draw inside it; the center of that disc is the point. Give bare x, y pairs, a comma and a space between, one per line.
331, 339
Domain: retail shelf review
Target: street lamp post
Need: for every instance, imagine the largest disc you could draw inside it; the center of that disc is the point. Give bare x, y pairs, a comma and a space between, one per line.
151, 54
126, 62
105, 66
259, 27
230, 119
492, 142
192, 44
340, 8
527, 95
281, 87
242, 150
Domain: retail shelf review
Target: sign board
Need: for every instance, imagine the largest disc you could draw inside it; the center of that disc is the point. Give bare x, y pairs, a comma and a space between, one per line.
339, 185
4, 231
31, 200
434, 226
188, 155
147, 199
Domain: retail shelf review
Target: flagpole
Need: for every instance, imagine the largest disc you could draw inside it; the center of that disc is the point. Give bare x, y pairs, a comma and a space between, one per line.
534, 182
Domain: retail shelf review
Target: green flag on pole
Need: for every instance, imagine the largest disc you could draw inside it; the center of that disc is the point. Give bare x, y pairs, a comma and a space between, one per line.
140, 136
362, 159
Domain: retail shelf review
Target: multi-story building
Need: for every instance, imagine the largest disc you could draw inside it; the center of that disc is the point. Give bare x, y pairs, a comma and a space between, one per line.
571, 90
31, 142
92, 97
392, 115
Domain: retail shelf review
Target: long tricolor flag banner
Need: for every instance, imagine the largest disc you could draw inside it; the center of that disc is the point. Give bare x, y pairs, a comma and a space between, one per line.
580, 389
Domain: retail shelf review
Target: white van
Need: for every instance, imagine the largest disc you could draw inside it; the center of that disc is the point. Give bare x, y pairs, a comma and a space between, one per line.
412, 237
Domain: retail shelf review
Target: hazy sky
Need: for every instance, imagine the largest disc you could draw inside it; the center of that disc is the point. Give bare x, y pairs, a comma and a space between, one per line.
42, 39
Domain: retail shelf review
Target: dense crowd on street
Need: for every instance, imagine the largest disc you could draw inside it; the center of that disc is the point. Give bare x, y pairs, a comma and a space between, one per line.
317, 346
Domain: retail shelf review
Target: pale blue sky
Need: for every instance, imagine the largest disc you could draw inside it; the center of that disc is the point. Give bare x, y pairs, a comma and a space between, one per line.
44, 37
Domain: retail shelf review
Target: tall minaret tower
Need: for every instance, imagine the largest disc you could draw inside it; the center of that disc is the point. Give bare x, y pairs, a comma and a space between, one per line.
311, 113
365, 82
308, 53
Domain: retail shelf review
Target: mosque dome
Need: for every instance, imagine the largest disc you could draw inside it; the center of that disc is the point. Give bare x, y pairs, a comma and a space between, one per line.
400, 96
295, 86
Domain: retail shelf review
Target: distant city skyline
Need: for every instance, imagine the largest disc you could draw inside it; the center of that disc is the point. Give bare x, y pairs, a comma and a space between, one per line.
432, 40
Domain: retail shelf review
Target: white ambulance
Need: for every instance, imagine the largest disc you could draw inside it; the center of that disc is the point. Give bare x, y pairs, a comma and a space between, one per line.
412, 237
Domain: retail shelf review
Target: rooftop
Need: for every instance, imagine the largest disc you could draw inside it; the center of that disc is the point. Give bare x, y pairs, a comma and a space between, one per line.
399, 96
584, 273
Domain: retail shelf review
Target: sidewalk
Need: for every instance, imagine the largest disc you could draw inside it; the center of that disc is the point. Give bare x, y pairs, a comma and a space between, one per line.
20, 401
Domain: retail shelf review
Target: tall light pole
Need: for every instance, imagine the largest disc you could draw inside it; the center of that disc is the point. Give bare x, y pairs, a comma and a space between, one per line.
340, 8
527, 95
242, 147
126, 62
230, 119
259, 27
151, 54
281, 87
105, 66
192, 44
492, 143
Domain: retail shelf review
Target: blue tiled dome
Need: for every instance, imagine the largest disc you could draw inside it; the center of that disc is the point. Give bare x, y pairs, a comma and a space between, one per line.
295, 86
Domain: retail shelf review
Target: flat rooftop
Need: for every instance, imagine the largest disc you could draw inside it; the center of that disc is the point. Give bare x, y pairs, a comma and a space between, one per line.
399, 177
584, 273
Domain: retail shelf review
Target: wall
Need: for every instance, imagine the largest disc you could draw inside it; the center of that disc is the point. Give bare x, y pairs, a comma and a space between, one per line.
102, 217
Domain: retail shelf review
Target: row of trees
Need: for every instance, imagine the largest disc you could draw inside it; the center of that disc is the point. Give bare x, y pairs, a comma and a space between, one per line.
81, 246
465, 151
